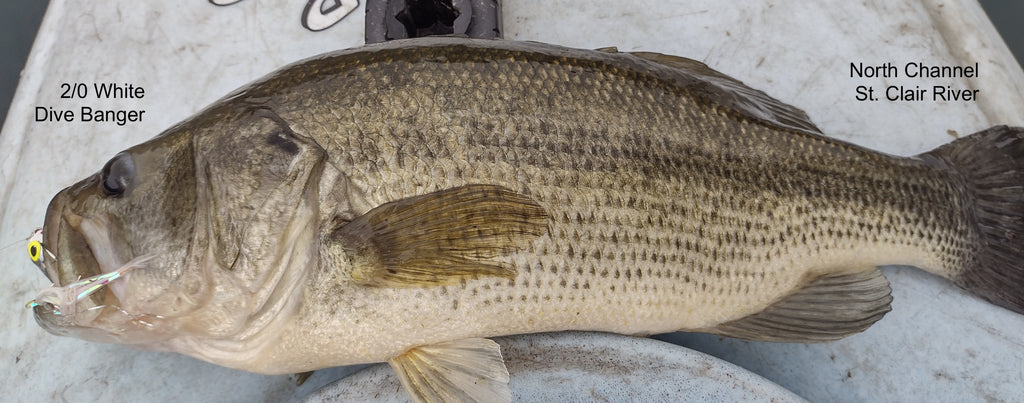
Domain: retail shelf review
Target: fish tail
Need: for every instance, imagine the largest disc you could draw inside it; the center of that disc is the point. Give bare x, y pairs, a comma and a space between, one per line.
990, 164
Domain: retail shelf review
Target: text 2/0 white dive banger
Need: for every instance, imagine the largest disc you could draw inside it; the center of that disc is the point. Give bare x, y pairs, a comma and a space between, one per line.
405, 201
120, 117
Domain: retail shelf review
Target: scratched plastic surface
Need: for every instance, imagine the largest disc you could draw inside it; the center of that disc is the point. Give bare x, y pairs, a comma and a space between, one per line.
937, 344
598, 367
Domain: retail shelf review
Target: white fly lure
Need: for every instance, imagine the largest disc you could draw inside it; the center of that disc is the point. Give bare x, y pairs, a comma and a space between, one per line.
62, 300
39, 255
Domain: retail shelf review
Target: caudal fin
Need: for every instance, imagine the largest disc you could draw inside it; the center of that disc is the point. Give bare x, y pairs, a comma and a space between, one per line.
991, 163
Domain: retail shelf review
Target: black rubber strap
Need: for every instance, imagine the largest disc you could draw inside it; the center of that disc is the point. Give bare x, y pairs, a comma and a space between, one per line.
399, 19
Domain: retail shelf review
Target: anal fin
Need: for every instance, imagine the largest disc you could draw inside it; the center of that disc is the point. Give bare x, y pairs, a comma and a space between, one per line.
827, 309
469, 370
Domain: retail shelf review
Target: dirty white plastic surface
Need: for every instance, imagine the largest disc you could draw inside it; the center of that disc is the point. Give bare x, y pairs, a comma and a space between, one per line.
937, 344
599, 367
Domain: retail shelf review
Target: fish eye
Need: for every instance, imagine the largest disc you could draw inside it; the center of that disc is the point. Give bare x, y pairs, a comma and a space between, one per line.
117, 174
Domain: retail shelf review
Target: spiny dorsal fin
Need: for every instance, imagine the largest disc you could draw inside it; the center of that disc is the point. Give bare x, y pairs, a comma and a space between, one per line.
735, 95
469, 370
827, 309
440, 238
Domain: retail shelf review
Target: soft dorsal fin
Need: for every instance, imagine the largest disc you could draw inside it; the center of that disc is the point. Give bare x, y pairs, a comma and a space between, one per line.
469, 370
735, 95
439, 238
827, 309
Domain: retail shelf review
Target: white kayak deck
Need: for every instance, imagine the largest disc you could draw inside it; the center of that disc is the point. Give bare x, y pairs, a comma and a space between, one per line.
938, 343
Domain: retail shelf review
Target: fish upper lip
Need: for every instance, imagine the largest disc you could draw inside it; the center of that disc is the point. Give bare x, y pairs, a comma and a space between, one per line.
69, 245
51, 234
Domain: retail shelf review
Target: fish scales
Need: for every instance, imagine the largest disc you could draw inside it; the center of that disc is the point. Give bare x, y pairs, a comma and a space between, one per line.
406, 201
668, 212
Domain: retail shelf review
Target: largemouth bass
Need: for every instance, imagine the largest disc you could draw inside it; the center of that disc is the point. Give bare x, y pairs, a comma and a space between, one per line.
403, 202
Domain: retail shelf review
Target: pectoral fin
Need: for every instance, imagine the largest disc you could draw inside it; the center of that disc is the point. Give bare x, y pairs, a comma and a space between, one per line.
469, 370
440, 238
827, 309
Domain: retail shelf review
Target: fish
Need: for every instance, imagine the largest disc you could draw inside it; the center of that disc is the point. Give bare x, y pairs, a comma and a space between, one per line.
408, 201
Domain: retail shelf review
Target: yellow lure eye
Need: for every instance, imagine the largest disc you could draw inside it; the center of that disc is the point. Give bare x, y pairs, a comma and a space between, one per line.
35, 250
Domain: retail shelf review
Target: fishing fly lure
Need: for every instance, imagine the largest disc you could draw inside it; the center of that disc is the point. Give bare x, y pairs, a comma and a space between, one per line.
62, 300
37, 252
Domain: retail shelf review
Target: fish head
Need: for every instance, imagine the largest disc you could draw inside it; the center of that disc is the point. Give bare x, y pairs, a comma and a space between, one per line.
225, 208
141, 202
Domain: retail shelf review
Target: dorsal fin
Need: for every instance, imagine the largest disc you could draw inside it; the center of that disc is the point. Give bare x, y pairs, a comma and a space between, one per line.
735, 95
827, 309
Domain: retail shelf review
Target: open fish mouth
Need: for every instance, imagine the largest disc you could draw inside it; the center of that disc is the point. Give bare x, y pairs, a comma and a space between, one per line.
69, 258
79, 248
84, 245
86, 300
